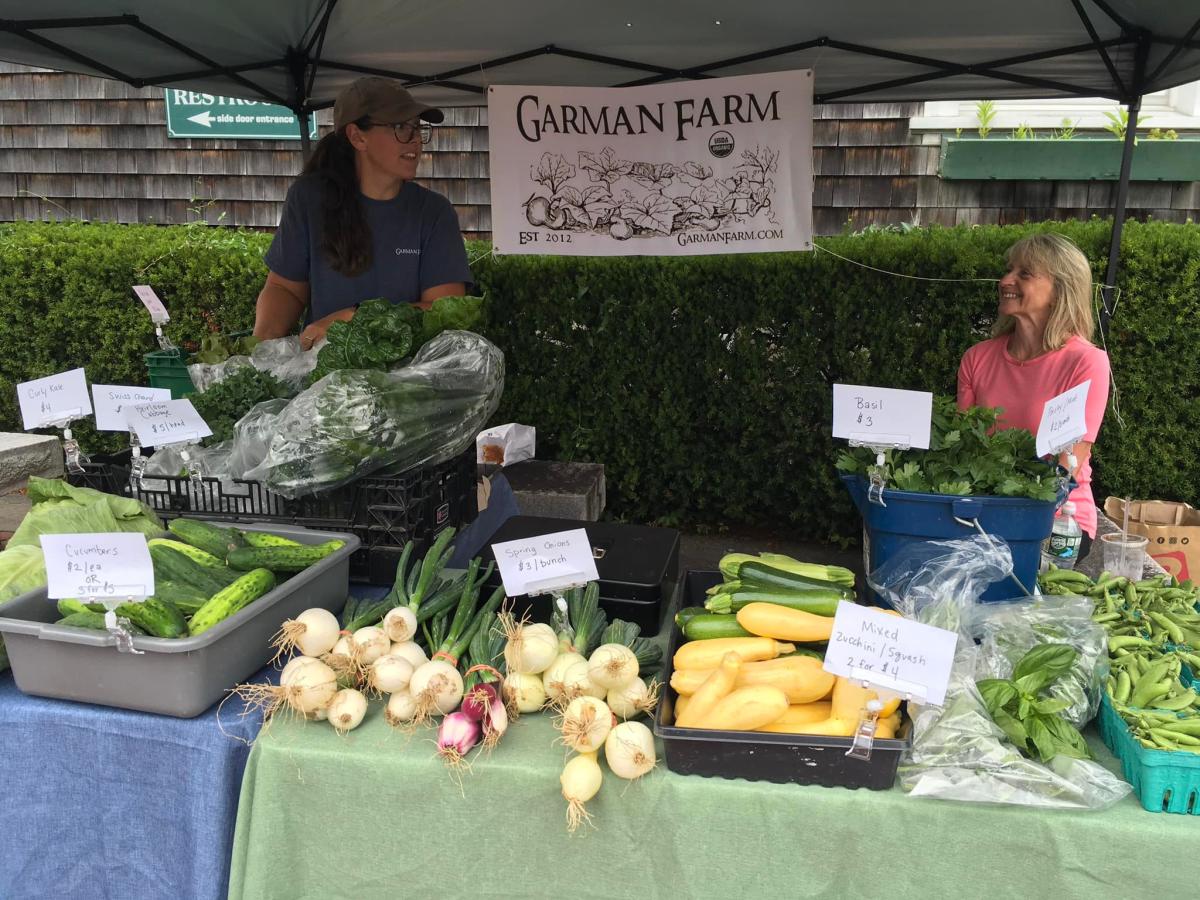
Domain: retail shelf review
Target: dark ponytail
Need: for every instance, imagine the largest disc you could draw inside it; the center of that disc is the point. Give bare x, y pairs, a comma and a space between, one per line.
345, 232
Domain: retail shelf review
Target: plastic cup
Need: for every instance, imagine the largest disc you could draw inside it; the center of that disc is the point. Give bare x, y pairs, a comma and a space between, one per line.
1124, 554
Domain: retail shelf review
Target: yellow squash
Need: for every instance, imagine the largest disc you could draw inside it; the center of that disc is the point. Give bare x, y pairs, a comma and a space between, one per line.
780, 622
746, 709
714, 689
801, 678
708, 654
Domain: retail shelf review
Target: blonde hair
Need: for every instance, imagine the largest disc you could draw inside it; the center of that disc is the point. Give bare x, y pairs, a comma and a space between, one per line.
1063, 262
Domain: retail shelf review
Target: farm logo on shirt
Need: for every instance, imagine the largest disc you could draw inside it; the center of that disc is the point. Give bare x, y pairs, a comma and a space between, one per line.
408, 251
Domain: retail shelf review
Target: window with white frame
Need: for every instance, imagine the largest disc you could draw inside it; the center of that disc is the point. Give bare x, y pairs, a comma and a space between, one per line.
1177, 108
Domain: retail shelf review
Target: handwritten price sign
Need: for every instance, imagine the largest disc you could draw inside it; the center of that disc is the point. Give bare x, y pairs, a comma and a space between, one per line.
97, 565
884, 416
55, 398
171, 422
539, 565
110, 401
1064, 420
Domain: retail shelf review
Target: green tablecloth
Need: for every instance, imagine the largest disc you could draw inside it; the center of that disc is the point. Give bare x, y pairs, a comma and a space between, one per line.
375, 814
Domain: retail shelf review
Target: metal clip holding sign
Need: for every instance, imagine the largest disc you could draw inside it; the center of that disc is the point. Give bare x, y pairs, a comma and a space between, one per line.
880, 443
194, 474
864, 735
158, 313
137, 462
557, 589
1064, 475
118, 626
73, 456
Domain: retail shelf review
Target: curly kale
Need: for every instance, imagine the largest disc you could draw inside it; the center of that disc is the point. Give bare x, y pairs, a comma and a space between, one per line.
228, 400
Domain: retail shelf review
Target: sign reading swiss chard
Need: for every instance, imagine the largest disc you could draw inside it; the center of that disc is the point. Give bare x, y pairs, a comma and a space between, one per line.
721, 165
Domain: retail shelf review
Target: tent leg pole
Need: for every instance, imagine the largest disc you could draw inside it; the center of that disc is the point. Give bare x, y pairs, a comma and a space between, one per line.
1109, 288
305, 140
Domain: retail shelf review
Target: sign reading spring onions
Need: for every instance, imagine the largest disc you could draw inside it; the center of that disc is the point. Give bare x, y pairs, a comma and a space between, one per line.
718, 165
547, 563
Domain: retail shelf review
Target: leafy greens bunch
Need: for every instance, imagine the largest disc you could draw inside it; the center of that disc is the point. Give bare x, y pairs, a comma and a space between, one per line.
383, 334
1032, 721
967, 456
231, 398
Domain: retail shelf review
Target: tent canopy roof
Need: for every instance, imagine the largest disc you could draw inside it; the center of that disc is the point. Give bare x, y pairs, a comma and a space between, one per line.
302, 52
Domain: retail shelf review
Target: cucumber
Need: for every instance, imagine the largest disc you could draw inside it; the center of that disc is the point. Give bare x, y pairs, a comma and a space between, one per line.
819, 603
70, 607
266, 539
157, 617
281, 559
206, 536
84, 618
228, 601
705, 627
195, 554
756, 576
172, 565
188, 598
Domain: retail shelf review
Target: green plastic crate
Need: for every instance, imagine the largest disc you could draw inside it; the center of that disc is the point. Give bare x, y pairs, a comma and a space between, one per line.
168, 369
1164, 780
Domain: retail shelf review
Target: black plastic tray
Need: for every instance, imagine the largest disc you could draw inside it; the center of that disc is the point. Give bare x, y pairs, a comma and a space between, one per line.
757, 756
638, 567
383, 511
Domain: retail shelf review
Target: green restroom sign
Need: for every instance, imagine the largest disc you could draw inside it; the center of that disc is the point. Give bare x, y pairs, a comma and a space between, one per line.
192, 114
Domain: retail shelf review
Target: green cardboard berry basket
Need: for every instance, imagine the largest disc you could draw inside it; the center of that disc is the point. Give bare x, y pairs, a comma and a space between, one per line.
1164, 780
168, 369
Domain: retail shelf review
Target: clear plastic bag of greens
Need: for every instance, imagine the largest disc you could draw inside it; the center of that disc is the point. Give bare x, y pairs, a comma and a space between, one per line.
284, 358
354, 422
205, 375
1007, 631
958, 752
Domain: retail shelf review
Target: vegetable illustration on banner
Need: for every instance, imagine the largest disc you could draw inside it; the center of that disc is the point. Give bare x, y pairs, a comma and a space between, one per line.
720, 165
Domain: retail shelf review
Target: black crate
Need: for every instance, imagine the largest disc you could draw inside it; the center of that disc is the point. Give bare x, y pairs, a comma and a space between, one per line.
764, 756
384, 511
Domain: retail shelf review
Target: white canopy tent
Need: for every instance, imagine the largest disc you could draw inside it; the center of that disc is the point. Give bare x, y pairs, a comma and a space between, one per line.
300, 53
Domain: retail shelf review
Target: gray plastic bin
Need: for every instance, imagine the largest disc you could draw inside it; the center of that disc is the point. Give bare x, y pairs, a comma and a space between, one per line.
179, 677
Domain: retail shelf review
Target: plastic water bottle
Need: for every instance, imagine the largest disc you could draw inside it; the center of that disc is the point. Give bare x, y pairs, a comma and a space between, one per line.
1062, 547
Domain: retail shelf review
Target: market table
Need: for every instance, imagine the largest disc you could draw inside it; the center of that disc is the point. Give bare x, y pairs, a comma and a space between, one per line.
115, 804
375, 814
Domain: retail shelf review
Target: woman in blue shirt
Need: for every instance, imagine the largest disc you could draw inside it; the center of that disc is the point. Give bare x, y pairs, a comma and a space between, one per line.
355, 226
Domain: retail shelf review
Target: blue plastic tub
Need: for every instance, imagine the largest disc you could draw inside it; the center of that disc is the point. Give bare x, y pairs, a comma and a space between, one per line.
1023, 524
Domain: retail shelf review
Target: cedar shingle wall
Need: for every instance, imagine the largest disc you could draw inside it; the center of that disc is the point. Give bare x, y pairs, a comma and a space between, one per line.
89, 148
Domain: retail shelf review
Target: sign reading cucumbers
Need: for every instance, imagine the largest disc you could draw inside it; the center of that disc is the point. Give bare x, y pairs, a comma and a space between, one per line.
192, 114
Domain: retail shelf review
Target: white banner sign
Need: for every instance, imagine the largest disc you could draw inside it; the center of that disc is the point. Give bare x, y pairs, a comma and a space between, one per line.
720, 165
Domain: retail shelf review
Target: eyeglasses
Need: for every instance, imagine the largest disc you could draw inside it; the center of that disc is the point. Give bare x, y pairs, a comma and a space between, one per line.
406, 131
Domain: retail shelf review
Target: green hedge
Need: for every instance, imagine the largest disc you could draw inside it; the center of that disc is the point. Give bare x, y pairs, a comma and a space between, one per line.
703, 384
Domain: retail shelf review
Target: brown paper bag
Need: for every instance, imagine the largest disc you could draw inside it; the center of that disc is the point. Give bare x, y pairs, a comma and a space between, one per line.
1172, 530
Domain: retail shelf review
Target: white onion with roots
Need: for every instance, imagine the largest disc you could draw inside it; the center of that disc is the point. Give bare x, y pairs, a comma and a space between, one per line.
585, 724
346, 710
389, 674
400, 624
554, 678
412, 651
314, 633
371, 643
401, 709
528, 649
612, 666
629, 750
437, 687
526, 692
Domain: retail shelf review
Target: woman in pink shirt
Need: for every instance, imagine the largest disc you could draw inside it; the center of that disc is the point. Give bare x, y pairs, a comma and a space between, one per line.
1041, 346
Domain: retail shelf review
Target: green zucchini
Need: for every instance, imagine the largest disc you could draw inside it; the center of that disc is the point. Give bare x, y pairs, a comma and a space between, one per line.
819, 603
689, 612
266, 539
205, 536
705, 627
281, 559
157, 617
755, 576
230, 600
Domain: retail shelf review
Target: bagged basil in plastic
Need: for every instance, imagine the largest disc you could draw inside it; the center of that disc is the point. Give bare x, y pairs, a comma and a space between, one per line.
1007, 631
353, 422
958, 752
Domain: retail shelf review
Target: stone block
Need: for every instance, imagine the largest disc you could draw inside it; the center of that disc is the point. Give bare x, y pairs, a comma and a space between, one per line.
559, 490
22, 455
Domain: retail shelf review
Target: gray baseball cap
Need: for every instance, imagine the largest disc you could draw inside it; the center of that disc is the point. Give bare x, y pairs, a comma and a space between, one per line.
383, 100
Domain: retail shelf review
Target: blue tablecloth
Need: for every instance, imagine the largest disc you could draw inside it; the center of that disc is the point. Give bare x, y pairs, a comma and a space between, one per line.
114, 804
110, 804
